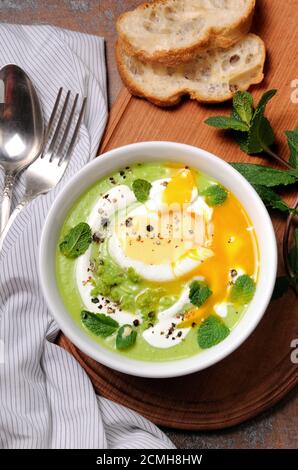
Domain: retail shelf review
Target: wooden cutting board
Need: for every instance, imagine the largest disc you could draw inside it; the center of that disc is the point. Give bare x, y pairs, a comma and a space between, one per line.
260, 373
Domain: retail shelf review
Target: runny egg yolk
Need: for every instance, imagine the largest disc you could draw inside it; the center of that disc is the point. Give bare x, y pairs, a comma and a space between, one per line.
180, 188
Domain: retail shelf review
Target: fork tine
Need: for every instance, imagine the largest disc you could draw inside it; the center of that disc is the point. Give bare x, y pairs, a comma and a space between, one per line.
66, 132
59, 124
53, 114
51, 121
65, 159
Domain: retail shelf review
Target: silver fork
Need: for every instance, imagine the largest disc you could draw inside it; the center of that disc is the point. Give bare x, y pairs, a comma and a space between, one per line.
47, 170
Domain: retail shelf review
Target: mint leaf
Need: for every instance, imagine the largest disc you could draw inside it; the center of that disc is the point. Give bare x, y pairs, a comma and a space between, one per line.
282, 286
243, 290
273, 200
77, 241
260, 136
99, 324
265, 176
126, 337
267, 96
225, 122
253, 131
215, 195
292, 137
141, 189
199, 292
213, 331
243, 106
241, 138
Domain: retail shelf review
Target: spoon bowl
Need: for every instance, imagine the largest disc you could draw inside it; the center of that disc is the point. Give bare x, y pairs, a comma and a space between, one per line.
21, 129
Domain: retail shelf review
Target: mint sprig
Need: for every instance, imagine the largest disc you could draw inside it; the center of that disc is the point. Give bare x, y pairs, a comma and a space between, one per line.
77, 241
254, 134
213, 331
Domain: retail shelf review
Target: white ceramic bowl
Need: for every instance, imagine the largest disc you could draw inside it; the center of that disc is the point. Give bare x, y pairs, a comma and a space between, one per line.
196, 158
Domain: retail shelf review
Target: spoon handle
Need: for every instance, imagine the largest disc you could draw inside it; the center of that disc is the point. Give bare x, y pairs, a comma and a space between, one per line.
6, 200
13, 216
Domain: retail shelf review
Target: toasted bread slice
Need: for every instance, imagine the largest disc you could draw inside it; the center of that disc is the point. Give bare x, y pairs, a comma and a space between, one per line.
172, 31
213, 76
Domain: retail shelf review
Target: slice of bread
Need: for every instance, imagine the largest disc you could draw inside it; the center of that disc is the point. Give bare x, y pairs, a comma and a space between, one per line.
213, 76
172, 31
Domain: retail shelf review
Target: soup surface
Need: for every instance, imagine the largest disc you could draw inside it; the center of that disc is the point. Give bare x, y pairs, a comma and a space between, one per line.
157, 261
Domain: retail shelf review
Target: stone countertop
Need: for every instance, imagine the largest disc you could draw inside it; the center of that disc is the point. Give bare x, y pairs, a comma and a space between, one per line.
278, 427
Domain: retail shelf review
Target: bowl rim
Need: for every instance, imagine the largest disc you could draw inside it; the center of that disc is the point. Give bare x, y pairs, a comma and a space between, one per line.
115, 360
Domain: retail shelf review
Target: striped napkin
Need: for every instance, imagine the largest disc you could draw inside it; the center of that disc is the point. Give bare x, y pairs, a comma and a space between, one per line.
46, 399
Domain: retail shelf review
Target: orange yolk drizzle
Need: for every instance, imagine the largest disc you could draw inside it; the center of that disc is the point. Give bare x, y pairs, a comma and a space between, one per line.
180, 187
233, 246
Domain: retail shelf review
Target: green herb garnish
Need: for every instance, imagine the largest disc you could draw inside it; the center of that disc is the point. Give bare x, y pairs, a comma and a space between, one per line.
292, 137
148, 300
126, 337
215, 195
141, 189
199, 292
243, 107
212, 332
254, 135
133, 275
99, 324
266, 176
243, 290
225, 122
273, 200
77, 241
260, 135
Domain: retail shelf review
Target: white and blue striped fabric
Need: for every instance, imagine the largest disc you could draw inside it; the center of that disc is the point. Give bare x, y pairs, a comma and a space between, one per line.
46, 399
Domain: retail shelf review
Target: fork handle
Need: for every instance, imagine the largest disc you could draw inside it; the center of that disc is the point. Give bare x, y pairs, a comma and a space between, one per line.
12, 218
6, 200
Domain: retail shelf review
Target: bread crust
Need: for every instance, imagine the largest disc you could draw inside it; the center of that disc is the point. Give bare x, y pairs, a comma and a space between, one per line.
215, 37
176, 97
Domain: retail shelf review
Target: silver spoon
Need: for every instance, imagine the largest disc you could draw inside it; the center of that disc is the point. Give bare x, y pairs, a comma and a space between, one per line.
21, 129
